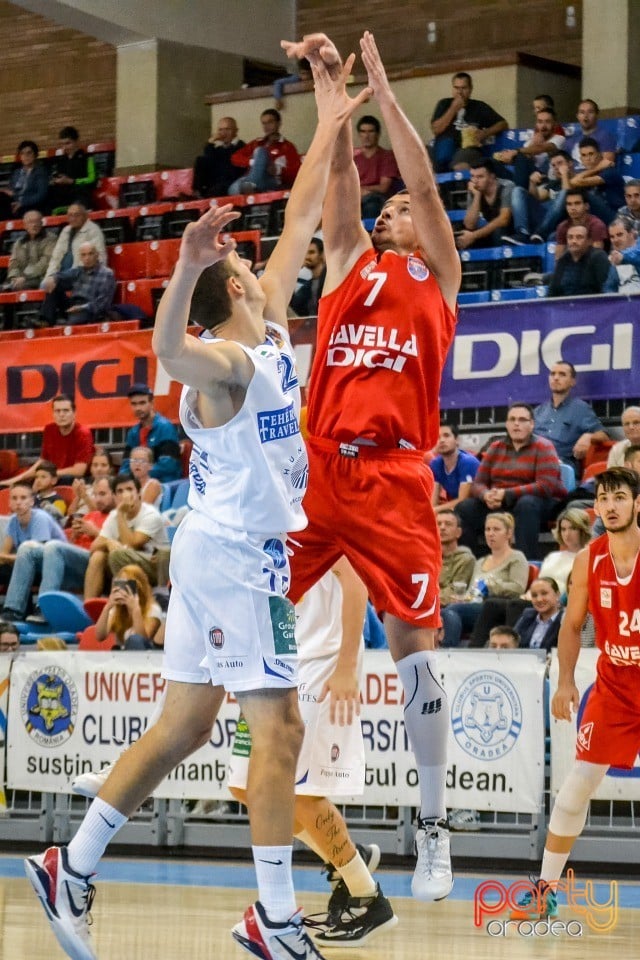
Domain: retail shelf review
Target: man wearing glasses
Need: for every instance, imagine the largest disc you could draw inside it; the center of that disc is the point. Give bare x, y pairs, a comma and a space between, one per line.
9, 638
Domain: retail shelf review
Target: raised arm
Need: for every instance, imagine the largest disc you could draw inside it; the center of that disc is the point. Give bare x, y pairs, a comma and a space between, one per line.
432, 226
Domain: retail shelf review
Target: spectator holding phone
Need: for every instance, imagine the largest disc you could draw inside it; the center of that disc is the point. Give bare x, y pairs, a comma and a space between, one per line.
130, 613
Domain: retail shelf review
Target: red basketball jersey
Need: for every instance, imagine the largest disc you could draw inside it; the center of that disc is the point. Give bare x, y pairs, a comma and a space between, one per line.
383, 337
614, 605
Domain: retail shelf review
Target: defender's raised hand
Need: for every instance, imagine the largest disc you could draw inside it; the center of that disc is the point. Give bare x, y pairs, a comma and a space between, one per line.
201, 245
376, 73
314, 47
332, 100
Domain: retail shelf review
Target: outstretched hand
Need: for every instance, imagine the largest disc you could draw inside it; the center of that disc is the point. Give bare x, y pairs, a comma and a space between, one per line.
332, 99
315, 47
201, 245
376, 74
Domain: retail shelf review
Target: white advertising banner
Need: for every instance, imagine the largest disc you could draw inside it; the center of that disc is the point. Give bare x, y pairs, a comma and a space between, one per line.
72, 712
617, 784
5, 666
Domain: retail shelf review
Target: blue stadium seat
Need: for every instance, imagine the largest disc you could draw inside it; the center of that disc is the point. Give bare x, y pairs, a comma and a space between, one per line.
519, 293
629, 165
628, 132
568, 476
475, 296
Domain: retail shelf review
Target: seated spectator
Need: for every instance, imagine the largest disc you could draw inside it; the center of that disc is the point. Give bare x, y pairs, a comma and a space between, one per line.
540, 624
547, 195
153, 431
569, 422
604, 185
131, 612
30, 255
572, 532
213, 172
28, 185
65, 443
581, 270
461, 127
519, 473
631, 208
74, 174
588, 126
503, 573
625, 256
453, 470
536, 152
377, 168
141, 465
26, 523
66, 253
630, 422
491, 198
46, 497
304, 301
578, 215
503, 637
58, 564
302, 75
9, 637
101, 465
272, 161
132, 533
457, 562
81, 294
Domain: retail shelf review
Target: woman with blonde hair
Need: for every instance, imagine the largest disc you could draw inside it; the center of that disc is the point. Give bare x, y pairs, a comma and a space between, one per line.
572, 532
131, 613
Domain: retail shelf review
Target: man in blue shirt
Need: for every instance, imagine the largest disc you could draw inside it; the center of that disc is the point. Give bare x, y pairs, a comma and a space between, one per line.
153, 431
605, 186
588, 126
26, 523
453, 469
568, 422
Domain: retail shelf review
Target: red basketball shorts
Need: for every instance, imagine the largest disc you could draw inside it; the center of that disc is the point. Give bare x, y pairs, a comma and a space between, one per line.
609, 730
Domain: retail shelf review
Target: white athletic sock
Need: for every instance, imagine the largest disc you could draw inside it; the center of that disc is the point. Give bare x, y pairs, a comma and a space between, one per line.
356, 875
275, 882
100, 825
426, 719
552, 866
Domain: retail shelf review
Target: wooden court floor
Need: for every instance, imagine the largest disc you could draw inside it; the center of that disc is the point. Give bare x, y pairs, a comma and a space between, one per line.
169, 910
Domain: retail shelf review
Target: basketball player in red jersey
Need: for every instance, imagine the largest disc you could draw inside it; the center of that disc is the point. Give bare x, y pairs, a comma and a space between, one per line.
386, 321
606, 581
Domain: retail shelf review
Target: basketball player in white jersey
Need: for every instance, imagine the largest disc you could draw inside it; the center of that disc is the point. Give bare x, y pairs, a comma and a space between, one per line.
229, 623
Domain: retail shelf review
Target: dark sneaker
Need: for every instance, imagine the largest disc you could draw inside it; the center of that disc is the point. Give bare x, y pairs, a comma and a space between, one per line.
11, 616
516, 239
536, 238
433, 877
360, 920
540, 903
340, 893
274, 941
36, 617
66, 897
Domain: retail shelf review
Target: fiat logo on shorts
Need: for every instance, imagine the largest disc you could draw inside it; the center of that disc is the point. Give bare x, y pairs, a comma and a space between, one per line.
335, 752
216, 638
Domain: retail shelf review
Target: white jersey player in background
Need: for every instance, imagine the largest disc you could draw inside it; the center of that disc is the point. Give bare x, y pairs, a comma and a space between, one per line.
229, 623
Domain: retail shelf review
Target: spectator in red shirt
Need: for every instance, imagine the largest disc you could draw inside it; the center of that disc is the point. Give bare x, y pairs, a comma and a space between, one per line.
519, 473
578, 215
65, 443
271, 161
377, 168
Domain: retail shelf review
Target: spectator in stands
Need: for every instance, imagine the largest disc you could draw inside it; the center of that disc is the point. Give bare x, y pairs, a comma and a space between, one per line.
457, 561
461, 127
519, 473
631, 208
302, 75
101, 465
46, 497
578, 214
9, 637
572, 532
132, 533
153, 431
625, 255
539, 624
304, 301
74, 173
492, 198
81, 294
28, 184
503, 637
537, 151
604, 185
502, 573
630, 422
65, 443
581, 270
58, 564
377, 168
547, 196
453, 469
588, 126
213, 172
131, 612
66, 253
272, 161
567, 421
26, 523
141, 465
30, 255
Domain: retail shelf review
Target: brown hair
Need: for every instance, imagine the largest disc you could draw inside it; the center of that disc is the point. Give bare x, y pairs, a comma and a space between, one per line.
121, 620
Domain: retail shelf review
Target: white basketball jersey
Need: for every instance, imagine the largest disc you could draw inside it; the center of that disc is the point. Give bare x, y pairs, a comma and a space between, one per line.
319, 619
251, 473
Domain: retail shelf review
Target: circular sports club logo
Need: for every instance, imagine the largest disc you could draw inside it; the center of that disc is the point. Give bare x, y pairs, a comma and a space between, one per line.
49, 706
486, 716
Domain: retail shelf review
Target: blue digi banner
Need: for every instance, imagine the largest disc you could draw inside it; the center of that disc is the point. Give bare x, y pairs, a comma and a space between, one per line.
503, 352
